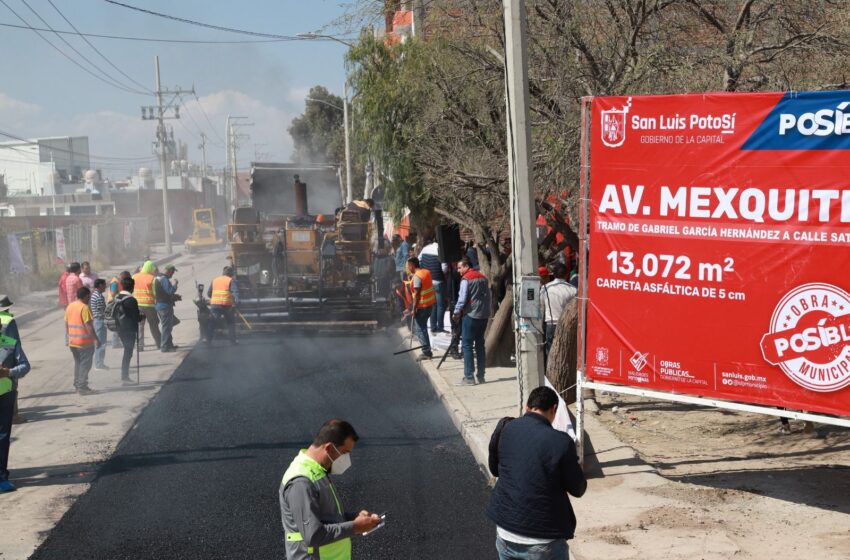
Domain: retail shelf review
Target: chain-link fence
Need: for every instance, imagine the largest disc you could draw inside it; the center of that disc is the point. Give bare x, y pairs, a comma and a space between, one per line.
32, 260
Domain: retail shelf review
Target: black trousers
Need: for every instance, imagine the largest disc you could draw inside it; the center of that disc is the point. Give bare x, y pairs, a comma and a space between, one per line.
7, 412
223, 313
128, 340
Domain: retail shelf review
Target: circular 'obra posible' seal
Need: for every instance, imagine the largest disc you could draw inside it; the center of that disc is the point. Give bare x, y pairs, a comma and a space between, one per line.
809, 337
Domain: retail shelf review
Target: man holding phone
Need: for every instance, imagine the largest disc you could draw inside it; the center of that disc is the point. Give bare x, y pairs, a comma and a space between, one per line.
314, 523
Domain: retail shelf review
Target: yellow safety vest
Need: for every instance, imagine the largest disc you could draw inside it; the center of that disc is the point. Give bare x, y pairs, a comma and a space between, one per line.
304, 466
7, 344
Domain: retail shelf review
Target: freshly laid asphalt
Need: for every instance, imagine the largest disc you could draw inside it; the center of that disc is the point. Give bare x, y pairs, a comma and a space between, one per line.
197, 477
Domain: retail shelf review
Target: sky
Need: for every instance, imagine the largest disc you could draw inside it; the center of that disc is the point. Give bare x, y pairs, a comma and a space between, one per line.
42, 93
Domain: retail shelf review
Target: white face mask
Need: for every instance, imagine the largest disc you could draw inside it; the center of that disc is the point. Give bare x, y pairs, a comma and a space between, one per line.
341, 463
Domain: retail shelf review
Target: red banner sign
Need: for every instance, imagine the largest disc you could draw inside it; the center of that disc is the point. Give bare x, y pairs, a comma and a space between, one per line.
719, 246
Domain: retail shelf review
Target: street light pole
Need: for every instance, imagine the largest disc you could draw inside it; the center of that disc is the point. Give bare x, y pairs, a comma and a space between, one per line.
349, 188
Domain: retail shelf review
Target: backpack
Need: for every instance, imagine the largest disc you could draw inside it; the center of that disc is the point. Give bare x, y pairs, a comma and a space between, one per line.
114, 313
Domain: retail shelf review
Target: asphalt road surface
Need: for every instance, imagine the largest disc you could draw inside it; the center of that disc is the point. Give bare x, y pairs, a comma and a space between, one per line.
197, 477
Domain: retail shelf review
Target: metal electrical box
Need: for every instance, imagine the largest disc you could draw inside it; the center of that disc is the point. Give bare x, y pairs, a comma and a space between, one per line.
529, 297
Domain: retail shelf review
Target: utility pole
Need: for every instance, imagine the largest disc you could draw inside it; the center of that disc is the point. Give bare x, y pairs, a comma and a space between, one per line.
226, 178
349, 189
233, 138
160, 114
203, 147
526, 282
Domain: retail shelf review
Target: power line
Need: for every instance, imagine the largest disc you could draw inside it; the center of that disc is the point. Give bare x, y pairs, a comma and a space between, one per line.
95, 49
209, 122
63, 53
84, 57
151, 39
55, 149
207, 25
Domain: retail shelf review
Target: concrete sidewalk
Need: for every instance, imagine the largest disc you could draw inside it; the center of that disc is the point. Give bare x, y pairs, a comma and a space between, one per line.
56, 454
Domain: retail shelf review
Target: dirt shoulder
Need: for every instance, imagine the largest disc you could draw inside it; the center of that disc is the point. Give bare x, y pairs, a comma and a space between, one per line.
730, 485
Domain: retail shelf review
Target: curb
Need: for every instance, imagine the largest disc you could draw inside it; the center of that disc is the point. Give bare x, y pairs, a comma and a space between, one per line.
464, 423
28, 316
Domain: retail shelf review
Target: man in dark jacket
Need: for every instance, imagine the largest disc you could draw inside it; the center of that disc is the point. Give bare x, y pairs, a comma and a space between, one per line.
129, 318
537, 468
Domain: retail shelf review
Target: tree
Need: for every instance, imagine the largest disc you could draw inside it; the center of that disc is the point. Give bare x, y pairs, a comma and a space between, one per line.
433, 110
318, 133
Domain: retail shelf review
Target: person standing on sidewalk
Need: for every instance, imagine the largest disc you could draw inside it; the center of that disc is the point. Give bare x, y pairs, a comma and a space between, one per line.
429, 258
537, 467
63, 293
13, 366
314, 523
114, 289
166, 295
424, 299
82, 339
144, 294
72, 284
87, 277
554, 298
473, 311
97, 304
129, 319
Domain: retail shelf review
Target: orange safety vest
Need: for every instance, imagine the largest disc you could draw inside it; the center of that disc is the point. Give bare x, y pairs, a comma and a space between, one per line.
427, 295
109, 294
143, 291
78, 335
221, 294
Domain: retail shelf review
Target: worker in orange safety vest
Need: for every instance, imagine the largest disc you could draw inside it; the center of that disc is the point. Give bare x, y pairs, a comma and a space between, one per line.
224, 297
424, 297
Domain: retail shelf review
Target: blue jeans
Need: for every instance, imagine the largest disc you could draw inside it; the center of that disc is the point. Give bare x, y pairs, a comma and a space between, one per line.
166, 323
438, 311
100, 353
556, 550
420, 327
472, 333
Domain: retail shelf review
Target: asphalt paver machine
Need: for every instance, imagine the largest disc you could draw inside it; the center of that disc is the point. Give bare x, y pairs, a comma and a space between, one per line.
325, 271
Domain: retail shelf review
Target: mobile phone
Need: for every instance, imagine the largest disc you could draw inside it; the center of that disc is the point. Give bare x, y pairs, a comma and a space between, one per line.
381, 524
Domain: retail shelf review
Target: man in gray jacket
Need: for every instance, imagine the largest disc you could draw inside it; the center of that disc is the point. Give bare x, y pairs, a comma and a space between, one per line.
473, 309
314, 523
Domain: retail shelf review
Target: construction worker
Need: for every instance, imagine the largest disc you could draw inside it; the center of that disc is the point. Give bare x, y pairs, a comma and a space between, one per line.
314, 523
144, 294
165, 289
82, 339
224, 296
424, 298
13, 366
